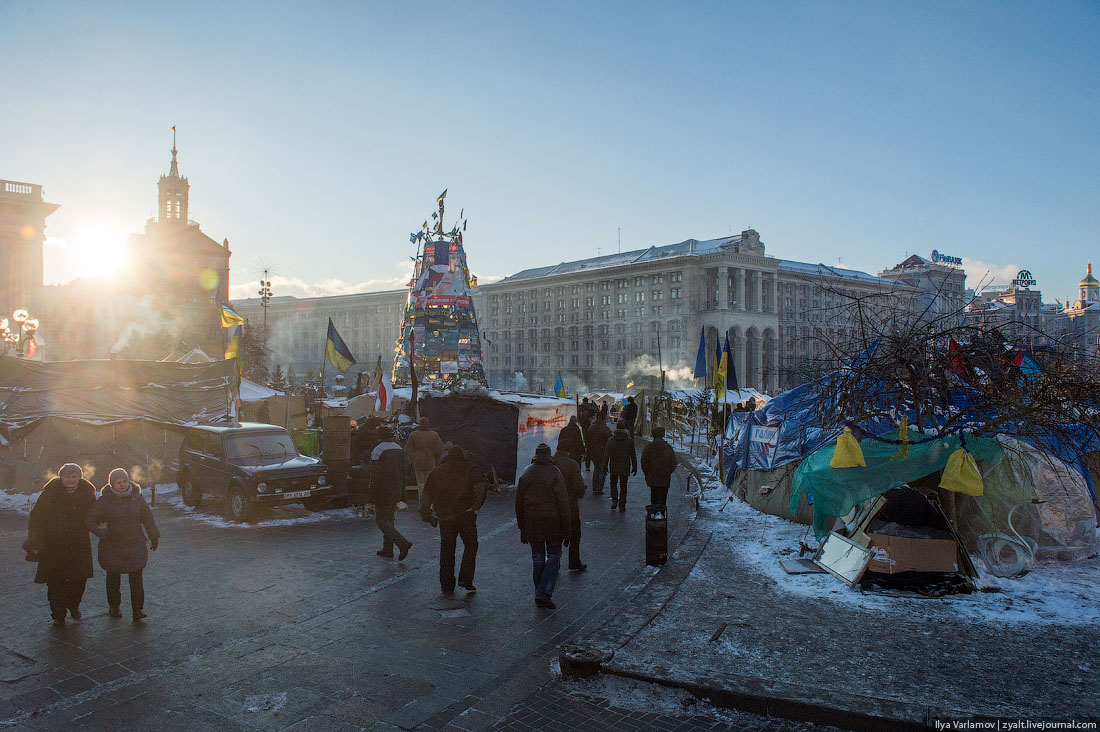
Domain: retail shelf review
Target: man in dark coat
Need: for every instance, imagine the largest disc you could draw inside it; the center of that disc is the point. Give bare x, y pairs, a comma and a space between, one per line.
456, 491
630, 414
121, 519
392, 471
542, 513
571, 441
57, 534
595, 440
620, 459
586, 417
574, 487
658, 462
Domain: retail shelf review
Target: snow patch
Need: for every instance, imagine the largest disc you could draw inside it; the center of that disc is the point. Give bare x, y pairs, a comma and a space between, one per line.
168, 494
18, 502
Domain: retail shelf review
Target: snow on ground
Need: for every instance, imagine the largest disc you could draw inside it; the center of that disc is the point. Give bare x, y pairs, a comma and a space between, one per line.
18, 502
1051, 594
642, 696
210, 512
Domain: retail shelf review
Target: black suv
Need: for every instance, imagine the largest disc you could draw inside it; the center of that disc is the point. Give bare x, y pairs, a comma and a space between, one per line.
250, 465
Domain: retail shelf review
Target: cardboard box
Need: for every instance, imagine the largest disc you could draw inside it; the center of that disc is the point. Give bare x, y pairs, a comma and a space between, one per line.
893, 554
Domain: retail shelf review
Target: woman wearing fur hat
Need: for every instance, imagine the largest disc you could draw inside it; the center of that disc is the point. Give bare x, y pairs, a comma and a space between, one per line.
118, 518
58, 536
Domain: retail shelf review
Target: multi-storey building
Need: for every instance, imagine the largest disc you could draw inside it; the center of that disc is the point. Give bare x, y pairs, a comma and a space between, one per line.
23, 215
606, 321
166, 300
296, 329
939, 286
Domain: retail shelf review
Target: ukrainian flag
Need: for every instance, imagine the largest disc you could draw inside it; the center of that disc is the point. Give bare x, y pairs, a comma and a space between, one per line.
441, 196
230, 317
336, 351
559, 386
233, 350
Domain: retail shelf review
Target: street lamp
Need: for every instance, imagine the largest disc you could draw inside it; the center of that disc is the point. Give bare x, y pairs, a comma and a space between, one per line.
22, 338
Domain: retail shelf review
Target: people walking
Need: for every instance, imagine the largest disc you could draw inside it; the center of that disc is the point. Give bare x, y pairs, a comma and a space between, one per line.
542, 513
621, 461
456, 491
122, 520
586, 416
424, 448
595, 440
57, 535
574, 487
391, 472
629, 415
658, 464
571, 440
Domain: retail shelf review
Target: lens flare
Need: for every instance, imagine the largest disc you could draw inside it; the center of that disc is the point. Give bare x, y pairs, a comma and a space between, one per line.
99, 251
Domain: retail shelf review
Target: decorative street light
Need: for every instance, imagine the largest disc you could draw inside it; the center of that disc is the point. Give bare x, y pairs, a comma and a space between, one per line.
22, 338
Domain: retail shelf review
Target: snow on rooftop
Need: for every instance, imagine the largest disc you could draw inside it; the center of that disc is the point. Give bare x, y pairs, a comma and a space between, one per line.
824, 270
689, 247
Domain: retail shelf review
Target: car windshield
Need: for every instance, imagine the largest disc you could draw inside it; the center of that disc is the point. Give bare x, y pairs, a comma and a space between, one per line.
260, 444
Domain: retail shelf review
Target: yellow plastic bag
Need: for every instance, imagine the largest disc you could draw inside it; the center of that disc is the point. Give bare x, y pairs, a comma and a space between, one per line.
961, 474
903, 433
848, 453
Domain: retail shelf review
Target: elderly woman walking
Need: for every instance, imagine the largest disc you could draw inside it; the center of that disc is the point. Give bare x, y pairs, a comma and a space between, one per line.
58, 536
118, 518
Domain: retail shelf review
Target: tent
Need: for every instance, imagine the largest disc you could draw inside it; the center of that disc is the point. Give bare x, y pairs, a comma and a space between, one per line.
101, 415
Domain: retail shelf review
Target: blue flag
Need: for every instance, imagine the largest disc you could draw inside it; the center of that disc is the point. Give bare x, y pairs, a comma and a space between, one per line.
731, 372
701, 356
559, 386
336, 351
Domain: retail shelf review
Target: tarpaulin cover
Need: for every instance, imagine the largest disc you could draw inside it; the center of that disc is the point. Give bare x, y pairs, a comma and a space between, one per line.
484, 427
836, 491
109, 391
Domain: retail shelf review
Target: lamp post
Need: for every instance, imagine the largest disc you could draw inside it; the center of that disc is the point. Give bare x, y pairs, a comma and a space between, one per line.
265, 297
22, 338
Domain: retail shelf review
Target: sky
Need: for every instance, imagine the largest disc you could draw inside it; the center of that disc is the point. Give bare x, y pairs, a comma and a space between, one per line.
316, 136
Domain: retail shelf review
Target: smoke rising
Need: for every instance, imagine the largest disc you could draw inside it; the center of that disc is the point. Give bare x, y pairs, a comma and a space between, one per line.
679, 376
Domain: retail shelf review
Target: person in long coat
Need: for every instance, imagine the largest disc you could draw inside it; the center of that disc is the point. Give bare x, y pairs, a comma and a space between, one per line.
542, 513
595, 441
456, 491
121, 519
571, 440
658, 464
620, 458
424, 448
574, 486
57, 534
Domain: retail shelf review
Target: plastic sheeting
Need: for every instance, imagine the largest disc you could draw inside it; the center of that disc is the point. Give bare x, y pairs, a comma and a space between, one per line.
836, 491
784, 430
1034, 496
484, 427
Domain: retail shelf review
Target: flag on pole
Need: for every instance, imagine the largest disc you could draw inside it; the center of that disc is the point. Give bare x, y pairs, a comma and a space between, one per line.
336, 351
441, 196
701, 356
721, 363
230, 317
31, 348
559, 386
233, 350
630, 384
731, 371
384, 401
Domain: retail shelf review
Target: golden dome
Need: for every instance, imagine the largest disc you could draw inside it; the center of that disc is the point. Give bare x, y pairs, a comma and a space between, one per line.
1089, 280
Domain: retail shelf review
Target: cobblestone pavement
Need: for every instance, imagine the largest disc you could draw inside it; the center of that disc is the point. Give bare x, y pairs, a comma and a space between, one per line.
302, 627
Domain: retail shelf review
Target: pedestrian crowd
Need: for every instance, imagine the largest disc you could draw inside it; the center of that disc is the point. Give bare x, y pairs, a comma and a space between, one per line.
450, 491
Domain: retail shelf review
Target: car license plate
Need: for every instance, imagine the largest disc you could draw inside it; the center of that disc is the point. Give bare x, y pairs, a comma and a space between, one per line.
296, 494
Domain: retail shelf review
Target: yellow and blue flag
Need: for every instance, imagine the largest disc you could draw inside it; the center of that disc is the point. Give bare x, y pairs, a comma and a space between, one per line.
233, 350
701, 356
559, 386
230, 317
336, 351
721, 363
441, 196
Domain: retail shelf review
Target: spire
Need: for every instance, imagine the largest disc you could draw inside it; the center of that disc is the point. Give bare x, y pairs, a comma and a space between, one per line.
174, 170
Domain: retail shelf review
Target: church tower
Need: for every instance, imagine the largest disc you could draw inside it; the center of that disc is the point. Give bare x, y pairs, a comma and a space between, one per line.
1089, 287
172, 194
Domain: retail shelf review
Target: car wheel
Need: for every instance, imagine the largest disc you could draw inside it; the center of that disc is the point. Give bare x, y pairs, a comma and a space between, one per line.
237, 506
190, 492
315, 504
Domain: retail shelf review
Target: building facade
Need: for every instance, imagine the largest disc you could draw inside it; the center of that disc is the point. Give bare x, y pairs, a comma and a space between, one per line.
23, 215
165, 301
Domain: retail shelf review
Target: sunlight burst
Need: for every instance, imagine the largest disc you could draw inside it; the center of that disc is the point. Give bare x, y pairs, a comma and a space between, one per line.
100, 250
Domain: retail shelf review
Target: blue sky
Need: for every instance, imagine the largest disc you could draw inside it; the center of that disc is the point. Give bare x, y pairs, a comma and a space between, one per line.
316, 138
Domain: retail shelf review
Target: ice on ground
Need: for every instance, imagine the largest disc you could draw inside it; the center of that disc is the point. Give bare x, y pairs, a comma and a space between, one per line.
289, 515
18, 502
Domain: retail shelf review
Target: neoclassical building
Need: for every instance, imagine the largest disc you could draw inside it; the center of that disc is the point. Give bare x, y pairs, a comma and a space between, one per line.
607, 321
23, 215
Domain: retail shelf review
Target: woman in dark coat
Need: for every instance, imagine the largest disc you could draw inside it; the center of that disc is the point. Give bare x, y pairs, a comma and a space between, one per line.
57, 534
118, 518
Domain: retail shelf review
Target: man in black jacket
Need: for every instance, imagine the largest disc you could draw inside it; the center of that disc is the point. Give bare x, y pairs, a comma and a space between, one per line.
456, 491
620, 459
595, 442
571, 440
542, 512
392, 472
658, 462
574, 486
630, 414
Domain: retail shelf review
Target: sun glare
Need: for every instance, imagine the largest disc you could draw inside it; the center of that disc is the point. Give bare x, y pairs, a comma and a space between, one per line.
99, 251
